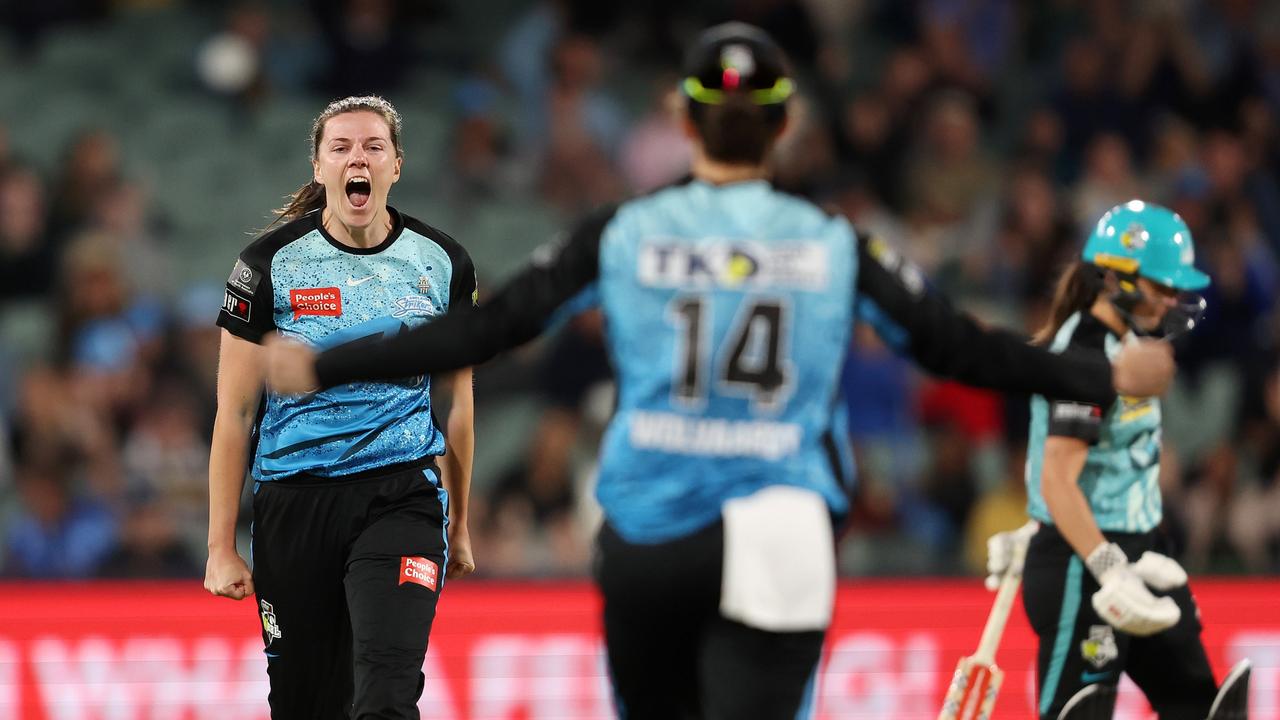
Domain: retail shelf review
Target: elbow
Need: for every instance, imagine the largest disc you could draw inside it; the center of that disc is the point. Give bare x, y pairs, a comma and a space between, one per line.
237, 419
460, 429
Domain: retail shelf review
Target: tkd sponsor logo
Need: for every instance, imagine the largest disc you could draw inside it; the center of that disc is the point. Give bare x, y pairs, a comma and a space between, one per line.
800, 264
718, 264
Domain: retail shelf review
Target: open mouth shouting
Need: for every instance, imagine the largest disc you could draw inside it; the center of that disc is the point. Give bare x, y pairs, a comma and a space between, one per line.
358, 190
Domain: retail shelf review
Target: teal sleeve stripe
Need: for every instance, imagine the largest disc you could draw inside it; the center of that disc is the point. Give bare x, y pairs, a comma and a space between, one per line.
1066, 633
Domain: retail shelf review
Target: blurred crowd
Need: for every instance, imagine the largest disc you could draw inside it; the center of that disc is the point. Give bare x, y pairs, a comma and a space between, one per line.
981, 137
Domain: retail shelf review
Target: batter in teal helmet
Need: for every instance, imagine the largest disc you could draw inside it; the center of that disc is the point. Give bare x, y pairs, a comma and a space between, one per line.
1145, 256
1099, 594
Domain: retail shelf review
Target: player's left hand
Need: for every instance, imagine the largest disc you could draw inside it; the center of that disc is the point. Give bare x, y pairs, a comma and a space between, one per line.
291, 366
460, 560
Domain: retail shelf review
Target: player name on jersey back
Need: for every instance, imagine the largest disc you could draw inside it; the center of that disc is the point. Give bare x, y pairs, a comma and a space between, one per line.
733, 264
672, 433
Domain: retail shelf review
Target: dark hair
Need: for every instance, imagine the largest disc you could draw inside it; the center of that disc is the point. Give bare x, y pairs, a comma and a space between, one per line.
1077, 289
311, 196
737, 131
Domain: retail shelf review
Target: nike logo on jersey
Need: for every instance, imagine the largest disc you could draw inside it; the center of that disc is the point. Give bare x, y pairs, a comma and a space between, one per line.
352, 282
1088, 678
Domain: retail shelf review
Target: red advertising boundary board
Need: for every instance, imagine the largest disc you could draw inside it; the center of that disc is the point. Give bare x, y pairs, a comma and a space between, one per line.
532, 651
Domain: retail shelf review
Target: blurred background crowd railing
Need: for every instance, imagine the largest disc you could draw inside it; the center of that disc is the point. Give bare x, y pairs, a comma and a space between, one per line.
142, 142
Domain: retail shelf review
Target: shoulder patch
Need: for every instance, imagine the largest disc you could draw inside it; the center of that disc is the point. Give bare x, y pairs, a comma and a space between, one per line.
236, 305
244, 277
1076, 412
893, 261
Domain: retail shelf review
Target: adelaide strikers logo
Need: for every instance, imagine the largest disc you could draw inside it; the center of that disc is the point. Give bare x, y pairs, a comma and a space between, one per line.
270, 627
414, 306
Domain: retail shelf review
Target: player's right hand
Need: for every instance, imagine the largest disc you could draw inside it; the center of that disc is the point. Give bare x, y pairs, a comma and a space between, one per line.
1000, 551
1160, 571
228, 575
1143, 368
1124, 600
291, 366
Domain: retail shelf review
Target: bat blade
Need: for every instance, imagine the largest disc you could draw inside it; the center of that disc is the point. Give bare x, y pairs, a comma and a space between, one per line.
973, 690
972, 694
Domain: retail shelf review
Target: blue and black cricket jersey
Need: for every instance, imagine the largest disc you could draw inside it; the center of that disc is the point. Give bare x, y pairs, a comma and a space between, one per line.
729, 311
299, 280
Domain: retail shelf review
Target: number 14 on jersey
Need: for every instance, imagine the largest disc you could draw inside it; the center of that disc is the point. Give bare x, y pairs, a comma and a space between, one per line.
749, 361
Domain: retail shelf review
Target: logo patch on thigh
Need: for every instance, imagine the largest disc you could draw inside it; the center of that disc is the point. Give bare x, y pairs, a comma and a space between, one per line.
270, 626
1100, 647
420, 571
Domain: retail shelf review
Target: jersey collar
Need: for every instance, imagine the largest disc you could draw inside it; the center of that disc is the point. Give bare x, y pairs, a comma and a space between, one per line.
397, 226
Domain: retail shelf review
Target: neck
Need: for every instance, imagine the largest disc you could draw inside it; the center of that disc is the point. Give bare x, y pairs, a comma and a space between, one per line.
716, 172
1109, 316
365, 237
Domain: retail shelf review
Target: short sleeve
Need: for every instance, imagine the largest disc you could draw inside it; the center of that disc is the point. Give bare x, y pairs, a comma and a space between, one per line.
247, 303
463, 288
1079, 420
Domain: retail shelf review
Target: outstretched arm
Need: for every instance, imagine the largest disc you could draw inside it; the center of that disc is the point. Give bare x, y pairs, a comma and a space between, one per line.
517, 313
949, 343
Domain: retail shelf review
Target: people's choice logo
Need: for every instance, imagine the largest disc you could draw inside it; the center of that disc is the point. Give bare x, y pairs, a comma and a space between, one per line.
325, 301
420, 571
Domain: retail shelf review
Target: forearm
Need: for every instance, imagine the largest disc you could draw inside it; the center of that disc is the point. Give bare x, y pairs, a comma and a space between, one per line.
949, 343
228, 459
460, 339
457, 473
469, 336
1070, 510
460, 446
1003, 361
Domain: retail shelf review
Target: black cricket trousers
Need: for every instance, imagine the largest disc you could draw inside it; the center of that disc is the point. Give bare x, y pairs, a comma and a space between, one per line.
1078, 648
673, 656
348, 572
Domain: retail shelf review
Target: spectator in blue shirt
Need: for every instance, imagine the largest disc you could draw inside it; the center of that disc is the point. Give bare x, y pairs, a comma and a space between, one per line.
54, 534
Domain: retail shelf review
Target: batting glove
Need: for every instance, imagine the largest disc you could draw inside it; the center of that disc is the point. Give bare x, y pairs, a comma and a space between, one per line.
1124, 600
1000, 551
1160, 571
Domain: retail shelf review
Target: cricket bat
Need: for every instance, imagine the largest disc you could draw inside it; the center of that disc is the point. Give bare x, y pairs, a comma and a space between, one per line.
972, 695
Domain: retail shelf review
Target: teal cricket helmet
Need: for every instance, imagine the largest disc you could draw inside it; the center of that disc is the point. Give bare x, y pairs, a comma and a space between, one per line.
1147, 240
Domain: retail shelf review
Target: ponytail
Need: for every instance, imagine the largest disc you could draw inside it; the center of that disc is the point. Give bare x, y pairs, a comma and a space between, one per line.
307, 198
303, 200
1076, 291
